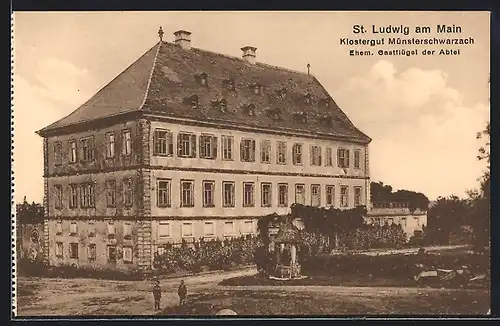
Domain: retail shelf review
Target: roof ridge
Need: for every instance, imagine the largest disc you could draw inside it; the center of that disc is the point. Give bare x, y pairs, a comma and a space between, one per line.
243, 60
153, 66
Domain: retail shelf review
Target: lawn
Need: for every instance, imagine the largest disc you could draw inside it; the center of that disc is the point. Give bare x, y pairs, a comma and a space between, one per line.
334, 301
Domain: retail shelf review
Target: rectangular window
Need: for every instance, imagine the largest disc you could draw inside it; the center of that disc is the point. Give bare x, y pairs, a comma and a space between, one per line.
208, 193
228, 193
357, 158
208, 147
209, 229
163, 143
300, 194
126, 142
112, 254
163, 193
127, 255
72, 151
315, 155
228, 228
357, 196
248, 194
227, 148
281, 152
87, 146
282, 195
164, 229
265, 151
110, 144
87, 195
187, 230
403, 221
59, 229
73, 229
73, 250
187, 193
315, 195
128, 192
247, 150
330, 195
58, 197
186, 144
59, 249
247, 227
111, 230
297, 154
329, 157
91, 252
127, 231
343, 158
58, 153
73, 196
266, 195
111, 193
344, 199
91, 229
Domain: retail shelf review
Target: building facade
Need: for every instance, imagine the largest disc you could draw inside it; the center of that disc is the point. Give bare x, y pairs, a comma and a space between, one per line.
185, 144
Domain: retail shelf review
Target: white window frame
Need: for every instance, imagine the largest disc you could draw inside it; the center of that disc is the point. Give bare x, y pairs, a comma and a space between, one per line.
315, 151
108, 256
187, 195
59, 249
232, 196
163, 194
232, 232
265, 151
111, 229
316, 191
300, 193
248, 198
329, 157
227, 148
205, 234
127, 230
330, 193
58, 153
344, 196
111, 193
343, 158
128, 192
208, 146
357, 159
297, 154
73, 196
358, 196
110, 144
92, 252
73, 229
246, 222
247, 150
282, 202
58, 196
87, 146
269, 199
91, 229
208, 195
183, 235
73, 153
87, 195
126, 142
281, 151
186, 144
160, 226
130, 257
72, 254
59, 228
163, 142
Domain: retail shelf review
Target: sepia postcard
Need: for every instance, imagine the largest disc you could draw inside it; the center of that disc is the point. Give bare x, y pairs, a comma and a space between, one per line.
265, 164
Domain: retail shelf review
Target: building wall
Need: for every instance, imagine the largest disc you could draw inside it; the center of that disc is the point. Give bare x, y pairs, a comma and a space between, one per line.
410, 222
100, 240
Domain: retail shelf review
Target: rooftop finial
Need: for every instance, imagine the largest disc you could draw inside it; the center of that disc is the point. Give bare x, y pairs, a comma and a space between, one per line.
308, 66
160, 33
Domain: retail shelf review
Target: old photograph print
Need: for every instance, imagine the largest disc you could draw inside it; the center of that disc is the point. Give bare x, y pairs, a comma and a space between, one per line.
251, 164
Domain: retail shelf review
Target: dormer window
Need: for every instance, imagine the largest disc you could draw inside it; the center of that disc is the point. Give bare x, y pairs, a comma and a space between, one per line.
274, 113
249, 110
307, 98
300, 117
202, 79
282, 93
192, 101
229, 84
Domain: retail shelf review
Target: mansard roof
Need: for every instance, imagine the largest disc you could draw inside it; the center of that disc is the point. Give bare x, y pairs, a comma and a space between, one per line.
161, 81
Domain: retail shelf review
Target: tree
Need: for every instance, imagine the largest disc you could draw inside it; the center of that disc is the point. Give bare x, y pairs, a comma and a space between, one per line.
381, 193
446, 216
29, 213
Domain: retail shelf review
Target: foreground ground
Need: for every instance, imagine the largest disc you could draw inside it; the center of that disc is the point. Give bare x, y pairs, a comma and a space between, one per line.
43, 297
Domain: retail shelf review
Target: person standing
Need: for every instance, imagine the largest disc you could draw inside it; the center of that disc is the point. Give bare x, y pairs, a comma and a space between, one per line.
182, 292
157, 294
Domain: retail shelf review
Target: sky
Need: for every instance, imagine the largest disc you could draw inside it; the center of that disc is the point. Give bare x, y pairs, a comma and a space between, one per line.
422, 112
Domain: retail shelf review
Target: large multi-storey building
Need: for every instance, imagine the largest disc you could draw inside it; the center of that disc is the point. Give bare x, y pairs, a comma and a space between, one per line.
186, 143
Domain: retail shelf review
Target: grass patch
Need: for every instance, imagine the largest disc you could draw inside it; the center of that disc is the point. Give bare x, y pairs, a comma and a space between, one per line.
276, 303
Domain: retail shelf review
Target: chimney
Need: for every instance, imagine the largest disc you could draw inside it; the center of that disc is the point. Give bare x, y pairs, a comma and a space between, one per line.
183, 38
249, 54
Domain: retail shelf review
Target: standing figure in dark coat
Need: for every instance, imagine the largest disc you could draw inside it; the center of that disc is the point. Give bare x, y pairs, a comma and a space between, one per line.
182, 292
157, 294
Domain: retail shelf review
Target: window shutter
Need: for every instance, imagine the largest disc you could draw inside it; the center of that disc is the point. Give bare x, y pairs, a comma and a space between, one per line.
214, 147
202, 141
319, 156
242, 151
347, 158
156, 143
179, 145
252, 153
338, 158
170, 143
311, 157
193, 145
